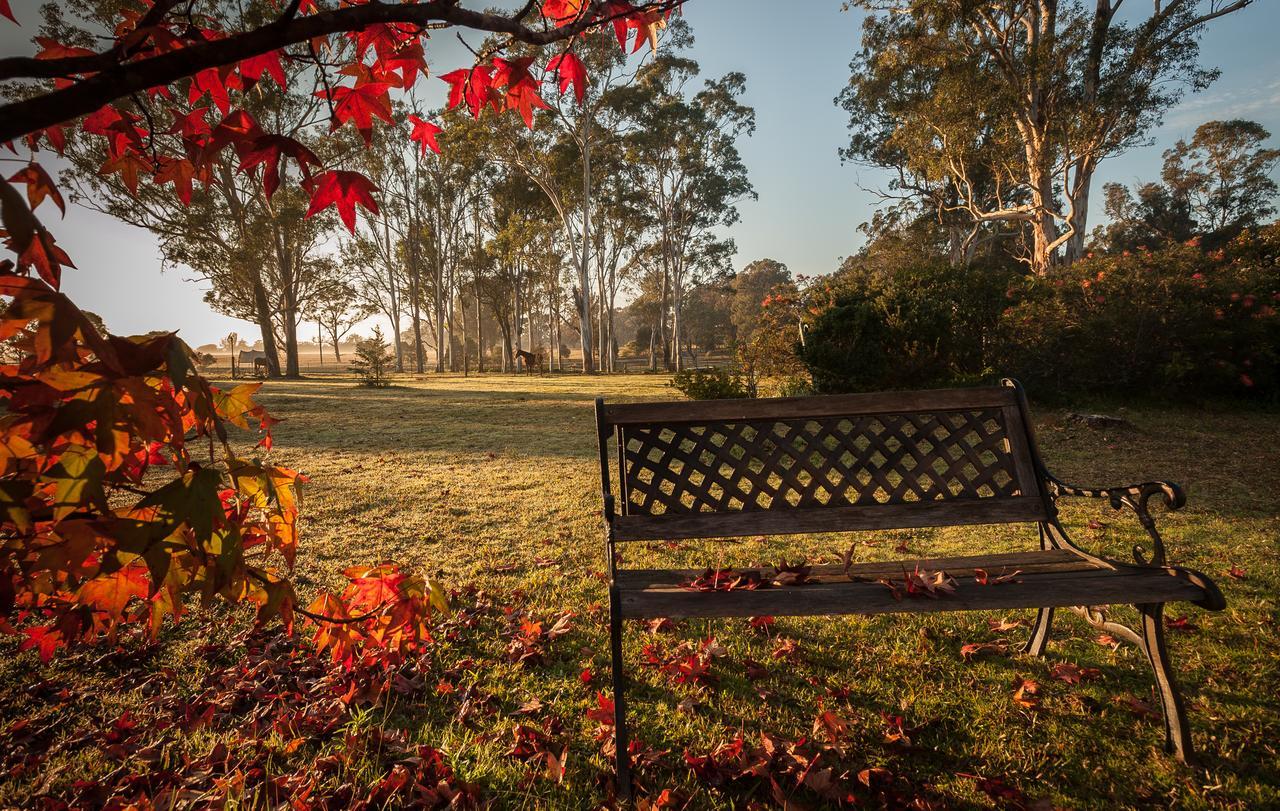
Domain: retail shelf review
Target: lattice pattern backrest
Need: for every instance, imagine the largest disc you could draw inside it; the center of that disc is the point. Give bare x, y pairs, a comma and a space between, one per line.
807, 462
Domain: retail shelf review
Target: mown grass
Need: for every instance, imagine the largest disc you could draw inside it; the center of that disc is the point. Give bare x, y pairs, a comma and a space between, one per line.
492, 483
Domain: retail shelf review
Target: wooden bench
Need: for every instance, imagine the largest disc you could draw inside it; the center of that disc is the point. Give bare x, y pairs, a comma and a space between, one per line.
733, 468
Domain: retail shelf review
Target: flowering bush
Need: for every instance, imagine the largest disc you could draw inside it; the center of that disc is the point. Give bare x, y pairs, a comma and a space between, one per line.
1171, 322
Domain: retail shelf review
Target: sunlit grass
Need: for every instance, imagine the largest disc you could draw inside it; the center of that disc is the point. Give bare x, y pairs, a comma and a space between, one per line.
492, 482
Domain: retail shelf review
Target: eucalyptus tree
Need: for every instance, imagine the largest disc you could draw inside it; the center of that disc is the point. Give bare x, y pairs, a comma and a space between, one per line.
681, 150
1007, 108
1224, 175
337, 309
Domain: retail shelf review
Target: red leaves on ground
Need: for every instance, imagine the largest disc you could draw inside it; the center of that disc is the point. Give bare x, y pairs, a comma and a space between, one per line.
686, 664
1236, 572
424, 132
534, 747
763, 624
528, 638
1073, 673
1026, 693
974, 649
999, 790
1136, 706
661, 625
345, 190
788, 649
1182, 623
570, 70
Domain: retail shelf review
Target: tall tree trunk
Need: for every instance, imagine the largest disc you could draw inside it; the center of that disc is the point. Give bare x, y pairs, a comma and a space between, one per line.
466, 348
415, 296
437, 307
479, 332
584, 268
262, 309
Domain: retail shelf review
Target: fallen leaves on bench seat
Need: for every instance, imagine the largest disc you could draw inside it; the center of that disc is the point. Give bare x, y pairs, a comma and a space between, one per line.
920, 583
724, 580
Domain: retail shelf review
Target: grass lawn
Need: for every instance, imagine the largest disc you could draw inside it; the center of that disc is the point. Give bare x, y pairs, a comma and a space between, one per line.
491, 484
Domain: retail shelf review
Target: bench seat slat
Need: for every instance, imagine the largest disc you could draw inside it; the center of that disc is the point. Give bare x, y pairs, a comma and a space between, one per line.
907, 515
1090, 586
1059, 560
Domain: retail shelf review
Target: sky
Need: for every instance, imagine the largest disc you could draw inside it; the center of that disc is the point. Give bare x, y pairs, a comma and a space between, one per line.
810, 204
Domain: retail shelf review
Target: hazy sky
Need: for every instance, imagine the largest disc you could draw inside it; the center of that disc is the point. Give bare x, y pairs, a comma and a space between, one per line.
809, 204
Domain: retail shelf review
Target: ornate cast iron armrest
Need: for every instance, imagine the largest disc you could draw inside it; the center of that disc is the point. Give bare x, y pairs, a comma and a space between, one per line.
1134, 497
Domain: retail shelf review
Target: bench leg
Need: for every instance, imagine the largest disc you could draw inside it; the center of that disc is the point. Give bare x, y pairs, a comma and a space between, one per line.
1177, 733
1039, 633
622, 744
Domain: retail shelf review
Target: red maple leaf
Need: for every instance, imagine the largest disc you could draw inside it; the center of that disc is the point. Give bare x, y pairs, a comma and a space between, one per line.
268, 150
252, 69
179, 172
191, 125
561, 12
523, 98
471, 86
43, 253
52, 49
569, 68
343, 189
213, 82
359, 105
128, 166
39, 186
239, 128
424, 132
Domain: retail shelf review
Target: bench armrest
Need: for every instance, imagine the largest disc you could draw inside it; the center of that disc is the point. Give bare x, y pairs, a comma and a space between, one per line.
1134, 497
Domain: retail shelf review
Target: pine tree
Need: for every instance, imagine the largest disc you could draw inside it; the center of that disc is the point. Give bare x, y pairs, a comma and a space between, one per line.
373, 360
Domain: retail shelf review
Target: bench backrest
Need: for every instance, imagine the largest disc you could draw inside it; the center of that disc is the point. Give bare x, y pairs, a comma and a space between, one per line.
729, 468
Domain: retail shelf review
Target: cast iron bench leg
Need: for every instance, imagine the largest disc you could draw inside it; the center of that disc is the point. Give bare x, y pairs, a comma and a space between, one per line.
622, 745
1177, 732
1039, 633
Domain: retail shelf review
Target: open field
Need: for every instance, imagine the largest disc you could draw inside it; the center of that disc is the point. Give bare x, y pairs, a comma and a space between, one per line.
491, 483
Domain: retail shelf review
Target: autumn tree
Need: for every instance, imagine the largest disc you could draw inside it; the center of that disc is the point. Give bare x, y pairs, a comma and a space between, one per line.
121, 494
1003, 111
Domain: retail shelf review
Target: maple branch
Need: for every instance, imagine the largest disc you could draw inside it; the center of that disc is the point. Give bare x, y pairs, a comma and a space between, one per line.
113, 79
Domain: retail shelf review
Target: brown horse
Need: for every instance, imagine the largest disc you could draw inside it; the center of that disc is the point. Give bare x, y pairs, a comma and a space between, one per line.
530, 360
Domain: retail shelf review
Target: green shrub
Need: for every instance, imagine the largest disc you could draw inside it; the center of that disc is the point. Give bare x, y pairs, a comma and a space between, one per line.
710, 384
847, 349
911, 325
